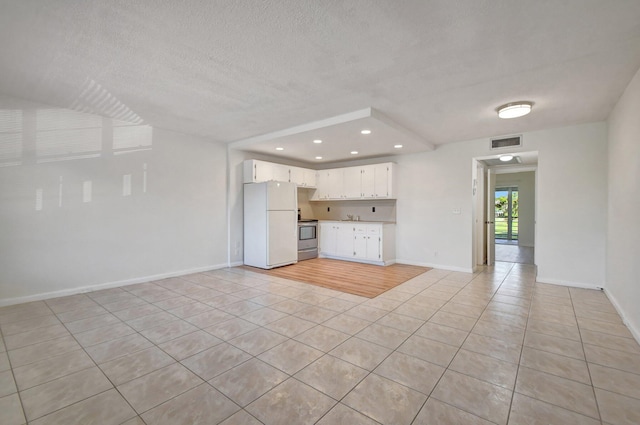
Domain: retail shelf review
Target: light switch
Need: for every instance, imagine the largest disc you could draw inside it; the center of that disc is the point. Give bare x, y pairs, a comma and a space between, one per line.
456, 211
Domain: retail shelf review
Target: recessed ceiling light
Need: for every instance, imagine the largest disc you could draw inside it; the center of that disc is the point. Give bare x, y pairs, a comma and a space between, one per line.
397, 146
514, 109
365, 132
354, 152
279, 149
317, 141
506, 158
318, 157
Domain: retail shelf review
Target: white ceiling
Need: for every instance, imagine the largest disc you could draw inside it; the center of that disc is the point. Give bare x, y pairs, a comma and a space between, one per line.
232, 70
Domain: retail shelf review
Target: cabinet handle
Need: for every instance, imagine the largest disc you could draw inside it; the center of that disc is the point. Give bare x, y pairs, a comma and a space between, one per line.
255, 172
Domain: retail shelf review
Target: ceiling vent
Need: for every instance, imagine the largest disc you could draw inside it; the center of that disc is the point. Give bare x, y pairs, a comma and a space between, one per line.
506, 142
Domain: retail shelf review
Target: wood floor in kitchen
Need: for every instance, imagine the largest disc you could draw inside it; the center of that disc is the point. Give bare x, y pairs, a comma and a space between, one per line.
366, 280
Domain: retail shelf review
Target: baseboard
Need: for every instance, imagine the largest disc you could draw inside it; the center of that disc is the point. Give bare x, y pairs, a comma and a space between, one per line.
236, 264
436, 266
357, 260
107, 285
634, 331
552, 281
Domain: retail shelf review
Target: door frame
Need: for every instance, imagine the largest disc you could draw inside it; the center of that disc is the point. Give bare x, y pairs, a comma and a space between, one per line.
478, 195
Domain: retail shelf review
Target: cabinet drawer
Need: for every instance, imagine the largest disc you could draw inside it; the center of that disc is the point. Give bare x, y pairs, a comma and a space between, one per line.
374, 230
360, 229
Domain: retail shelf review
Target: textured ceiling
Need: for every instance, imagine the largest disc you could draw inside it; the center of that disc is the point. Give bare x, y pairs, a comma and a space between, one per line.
231, 70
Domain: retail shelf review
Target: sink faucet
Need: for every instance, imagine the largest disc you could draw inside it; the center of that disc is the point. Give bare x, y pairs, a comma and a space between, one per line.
350, 217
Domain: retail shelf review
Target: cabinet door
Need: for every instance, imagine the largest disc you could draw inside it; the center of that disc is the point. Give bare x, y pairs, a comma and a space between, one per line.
328, 238
344, 240
297, 176
352, 188
281, 173
309, 177
368, 182
323, 184
360, 246
381, 180
374, 242
262, 171
335, 182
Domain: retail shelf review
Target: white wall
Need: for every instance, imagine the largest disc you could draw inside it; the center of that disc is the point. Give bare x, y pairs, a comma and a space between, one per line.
571, 221
177, 225
623, 236
526, 183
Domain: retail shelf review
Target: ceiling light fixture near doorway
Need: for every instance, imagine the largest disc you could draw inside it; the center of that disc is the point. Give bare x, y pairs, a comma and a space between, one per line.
506, 158
354, 152
397, 146
317, 141
318, 157
514, 109
365, 132
279, 149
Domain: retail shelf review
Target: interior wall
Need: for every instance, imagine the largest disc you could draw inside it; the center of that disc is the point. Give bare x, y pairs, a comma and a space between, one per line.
88, 202
623, 235
526, 182
434, 186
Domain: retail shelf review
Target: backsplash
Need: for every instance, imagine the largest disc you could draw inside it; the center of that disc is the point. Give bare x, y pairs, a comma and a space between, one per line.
385, 209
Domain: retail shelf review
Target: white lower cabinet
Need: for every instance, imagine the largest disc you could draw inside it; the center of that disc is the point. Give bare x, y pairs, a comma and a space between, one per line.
365, 242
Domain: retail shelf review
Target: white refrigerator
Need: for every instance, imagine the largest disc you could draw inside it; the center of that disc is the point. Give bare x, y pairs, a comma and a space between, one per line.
270, 224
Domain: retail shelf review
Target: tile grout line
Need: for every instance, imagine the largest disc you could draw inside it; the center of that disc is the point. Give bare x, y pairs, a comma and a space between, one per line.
515, 382
593, 389
97, 366
460, 348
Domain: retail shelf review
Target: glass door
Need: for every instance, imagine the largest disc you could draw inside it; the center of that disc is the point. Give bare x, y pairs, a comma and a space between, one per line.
506, 218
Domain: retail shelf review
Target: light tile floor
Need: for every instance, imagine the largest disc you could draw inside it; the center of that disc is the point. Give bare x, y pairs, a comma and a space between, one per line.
514, 253
233, 347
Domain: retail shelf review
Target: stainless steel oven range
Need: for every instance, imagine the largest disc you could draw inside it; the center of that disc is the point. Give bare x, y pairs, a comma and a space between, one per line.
307, 239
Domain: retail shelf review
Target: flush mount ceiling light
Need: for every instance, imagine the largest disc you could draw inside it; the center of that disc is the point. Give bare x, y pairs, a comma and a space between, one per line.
397, 146
514, 109
506, 158
279, 149
354, 152
365, 132
318, 157
317, 141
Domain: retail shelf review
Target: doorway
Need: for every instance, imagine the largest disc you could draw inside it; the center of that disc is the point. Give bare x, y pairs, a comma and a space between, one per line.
504, 210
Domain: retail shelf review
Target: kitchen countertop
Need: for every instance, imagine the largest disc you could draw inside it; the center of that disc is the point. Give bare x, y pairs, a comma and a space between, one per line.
357, 221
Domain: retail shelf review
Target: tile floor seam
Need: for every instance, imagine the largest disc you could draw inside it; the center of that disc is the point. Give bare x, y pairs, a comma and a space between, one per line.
460, 348
593, 390
452, 358
113, 386
13, 375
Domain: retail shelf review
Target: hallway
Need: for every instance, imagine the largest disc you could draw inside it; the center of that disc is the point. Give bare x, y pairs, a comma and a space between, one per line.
511, 253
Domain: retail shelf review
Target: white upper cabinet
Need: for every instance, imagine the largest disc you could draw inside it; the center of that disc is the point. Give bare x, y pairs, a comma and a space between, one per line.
335, 181
303, 177
352, 183
383, 176
375, 181
366, 182
310, 177
281, 173
256, 171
